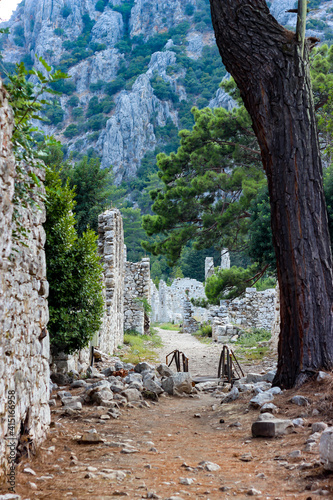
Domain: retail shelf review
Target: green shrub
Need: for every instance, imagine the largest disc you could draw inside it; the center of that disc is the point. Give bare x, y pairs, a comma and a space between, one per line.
73, 270
99, 6
189, 10
97, 122
58, 31
95, 87
66, 11
77, 113
73, 101
71, 131
55, 113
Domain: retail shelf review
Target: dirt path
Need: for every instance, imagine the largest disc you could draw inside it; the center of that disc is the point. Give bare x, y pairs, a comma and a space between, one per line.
203, 358
156, 450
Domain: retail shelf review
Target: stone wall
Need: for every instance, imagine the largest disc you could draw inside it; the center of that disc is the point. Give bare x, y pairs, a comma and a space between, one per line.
168, 301
254, 310
111, 250
137, 286
24, 341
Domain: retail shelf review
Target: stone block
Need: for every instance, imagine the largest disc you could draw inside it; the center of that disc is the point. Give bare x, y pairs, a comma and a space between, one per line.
326, 448
269, 426
180, 382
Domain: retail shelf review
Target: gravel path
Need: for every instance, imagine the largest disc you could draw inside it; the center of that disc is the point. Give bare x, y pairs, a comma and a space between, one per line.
203, 358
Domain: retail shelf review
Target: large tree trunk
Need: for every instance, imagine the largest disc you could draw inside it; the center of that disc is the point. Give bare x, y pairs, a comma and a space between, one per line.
266, 63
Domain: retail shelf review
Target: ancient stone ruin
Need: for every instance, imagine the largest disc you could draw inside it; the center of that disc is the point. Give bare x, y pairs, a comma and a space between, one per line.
24, 341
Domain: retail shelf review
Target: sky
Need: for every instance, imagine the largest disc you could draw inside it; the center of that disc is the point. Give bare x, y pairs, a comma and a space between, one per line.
6, 8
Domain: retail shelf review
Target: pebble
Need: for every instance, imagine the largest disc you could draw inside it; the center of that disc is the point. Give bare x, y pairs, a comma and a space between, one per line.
186, 480
253, 492
318, 426
247, 457
300, 401
261, 475
210, 466
197, 415
295, 454
153, 449
27, 470
33, 486
298, 422
128, 451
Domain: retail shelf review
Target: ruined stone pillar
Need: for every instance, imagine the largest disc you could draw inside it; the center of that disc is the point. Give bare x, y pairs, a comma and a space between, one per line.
209, 267
225, 259
111, 251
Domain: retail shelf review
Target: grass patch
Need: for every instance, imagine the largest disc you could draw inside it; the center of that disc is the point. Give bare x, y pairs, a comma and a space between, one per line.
139, 348
169, 326
249, 346
204, 334
203, 339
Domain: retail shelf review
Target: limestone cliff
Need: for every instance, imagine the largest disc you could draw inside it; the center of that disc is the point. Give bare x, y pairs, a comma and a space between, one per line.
136, 66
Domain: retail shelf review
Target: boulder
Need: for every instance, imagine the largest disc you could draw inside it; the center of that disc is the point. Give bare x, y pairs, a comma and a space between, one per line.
261, 399
141, 367
180, 382
326, 448
253, 378
268, 408
164, 370
232, 396
269, 426
133, 377
152, 385
132, 395
319, 426
103, 395
300, 401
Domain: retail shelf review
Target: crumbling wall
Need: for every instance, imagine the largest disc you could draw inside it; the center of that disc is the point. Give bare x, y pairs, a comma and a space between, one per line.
111, 250
137, 287
24, 341
168, 303
254, 310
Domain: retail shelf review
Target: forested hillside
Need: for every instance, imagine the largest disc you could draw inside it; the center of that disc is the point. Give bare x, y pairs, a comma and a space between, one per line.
136, 69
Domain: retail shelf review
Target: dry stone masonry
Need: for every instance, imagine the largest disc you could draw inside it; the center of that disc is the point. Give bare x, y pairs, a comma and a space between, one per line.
136, 293
111, 250
24, 341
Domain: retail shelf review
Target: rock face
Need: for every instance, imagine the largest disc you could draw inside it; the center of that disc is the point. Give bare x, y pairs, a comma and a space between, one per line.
149, 18
130, 132
54, 29
24, 341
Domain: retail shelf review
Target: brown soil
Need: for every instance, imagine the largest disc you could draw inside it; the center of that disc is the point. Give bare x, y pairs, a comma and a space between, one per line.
171, 442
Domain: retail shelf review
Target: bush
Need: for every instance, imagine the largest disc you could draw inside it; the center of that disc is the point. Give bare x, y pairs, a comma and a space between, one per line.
66, 11
100, 6
58, 31
55, 113
71, 131
189, 10
95, 87
97, 122
77, 113
74, 273
73, 101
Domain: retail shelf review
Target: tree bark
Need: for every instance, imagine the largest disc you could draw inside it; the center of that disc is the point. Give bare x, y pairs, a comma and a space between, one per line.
273, 78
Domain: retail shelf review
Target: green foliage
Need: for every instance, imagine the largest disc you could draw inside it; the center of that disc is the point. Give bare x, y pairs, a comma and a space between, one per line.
145, 304
261, 248
66, 11
73, 101
73, 270
93, 187
163, 90
229, 283
97, 122
54, 113
255, 335
58, 31
100, 5
209, 185
139, 347
189, 9
200, 303
205, 330
71, 131
25, 100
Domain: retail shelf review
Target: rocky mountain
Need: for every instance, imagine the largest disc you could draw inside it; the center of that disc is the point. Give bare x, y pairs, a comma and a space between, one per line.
136, 66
